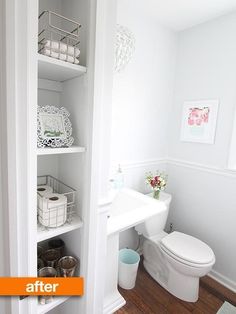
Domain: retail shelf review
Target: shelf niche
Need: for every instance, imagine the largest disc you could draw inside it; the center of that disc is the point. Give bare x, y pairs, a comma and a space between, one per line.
57, 70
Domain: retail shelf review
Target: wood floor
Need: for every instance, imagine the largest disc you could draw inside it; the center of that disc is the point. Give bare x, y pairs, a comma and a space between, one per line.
150, 298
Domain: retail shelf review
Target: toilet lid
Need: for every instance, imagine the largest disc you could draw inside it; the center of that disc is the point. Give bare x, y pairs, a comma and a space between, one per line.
188, 248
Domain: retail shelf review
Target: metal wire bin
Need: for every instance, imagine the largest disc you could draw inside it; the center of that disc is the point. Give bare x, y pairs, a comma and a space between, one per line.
56, 202
58, 37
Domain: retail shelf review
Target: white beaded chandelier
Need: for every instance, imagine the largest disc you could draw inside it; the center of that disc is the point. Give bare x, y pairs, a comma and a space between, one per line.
125, 47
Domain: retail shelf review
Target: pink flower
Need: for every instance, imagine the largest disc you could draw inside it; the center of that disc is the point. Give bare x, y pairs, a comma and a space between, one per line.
153, 183
156, 178
157, 182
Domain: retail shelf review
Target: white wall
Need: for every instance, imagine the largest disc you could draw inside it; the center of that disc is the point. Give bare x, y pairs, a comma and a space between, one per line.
203, 189
142, 92
203, 200
206, 69
142, 95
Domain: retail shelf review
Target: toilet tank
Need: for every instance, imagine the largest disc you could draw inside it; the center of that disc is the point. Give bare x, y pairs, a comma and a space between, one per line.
156, 224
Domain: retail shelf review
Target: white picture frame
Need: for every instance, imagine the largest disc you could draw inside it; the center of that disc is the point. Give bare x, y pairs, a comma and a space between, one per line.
199, 119
54, 127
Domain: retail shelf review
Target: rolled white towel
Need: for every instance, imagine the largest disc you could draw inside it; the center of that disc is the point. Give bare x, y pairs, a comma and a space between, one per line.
61, 56
62, 47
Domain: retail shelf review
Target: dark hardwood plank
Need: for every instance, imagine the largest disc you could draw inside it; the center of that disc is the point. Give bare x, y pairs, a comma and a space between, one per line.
129, 308
148, 297
218, 290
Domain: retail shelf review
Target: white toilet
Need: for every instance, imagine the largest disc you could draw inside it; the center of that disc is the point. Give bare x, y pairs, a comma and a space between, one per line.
176, 260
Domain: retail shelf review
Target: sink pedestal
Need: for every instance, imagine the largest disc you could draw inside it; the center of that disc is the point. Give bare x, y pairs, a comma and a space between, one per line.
113, 300
128, 208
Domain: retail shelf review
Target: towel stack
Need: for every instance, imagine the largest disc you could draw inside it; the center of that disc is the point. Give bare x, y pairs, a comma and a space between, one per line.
62, 51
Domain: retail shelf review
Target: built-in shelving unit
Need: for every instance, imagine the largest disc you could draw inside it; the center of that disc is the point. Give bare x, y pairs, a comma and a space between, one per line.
44, 234
42, 309
57, 70
46, 81
64, 84
58, 85
61, 150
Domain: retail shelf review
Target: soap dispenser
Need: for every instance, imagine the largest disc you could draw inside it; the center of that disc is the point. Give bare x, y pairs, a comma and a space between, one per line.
119, 179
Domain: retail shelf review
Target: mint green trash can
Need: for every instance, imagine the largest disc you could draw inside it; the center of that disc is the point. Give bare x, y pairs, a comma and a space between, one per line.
128, 268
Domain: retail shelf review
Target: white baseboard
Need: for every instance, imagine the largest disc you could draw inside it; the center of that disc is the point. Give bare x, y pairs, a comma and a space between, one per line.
223, 280
113, 303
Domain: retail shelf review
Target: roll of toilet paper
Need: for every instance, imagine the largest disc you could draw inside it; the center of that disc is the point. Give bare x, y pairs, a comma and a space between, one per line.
55, 200
53, 210
42, 190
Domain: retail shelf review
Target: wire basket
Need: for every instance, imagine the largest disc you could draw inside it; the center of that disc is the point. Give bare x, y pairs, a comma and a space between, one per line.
58, 37
50, 215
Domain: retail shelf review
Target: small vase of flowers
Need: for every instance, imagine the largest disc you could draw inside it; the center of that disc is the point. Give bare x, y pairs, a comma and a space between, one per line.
157, 182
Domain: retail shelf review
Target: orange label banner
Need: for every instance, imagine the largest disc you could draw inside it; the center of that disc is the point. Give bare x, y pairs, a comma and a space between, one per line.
18, 286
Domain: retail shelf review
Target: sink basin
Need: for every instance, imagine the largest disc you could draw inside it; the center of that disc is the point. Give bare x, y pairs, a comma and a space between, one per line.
130, 208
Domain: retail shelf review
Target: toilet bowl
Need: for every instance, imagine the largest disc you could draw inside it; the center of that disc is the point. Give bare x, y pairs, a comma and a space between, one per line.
176, 260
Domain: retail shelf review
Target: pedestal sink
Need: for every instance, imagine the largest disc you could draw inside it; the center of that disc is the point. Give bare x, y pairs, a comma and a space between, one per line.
128, 209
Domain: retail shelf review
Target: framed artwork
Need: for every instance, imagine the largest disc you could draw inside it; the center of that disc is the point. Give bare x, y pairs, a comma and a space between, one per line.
199, 121
54, 127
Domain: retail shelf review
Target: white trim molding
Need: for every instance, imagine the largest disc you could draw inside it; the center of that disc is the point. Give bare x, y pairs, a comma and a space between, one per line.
181, 163
201, 167
223, 280
143, 163
115, 303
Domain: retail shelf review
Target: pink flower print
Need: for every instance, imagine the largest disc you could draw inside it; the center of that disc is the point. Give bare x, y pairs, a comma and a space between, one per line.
198, 121
190, 121
198, 116
205, 114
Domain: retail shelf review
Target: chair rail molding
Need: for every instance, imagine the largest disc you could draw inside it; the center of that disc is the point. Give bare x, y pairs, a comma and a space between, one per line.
143, 163
202, 167
222, 171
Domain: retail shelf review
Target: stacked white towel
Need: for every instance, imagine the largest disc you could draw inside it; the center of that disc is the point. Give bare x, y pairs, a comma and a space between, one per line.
62, 51
61, 56
62, 47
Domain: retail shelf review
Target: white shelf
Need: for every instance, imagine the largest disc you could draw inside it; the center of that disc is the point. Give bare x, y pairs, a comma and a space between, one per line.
44, 234
44, 308
61, 150
57, 70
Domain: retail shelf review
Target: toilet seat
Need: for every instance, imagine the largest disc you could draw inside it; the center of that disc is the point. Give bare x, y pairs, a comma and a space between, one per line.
187, 249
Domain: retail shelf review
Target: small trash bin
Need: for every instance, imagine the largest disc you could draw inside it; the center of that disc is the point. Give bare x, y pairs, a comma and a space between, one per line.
128, 267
